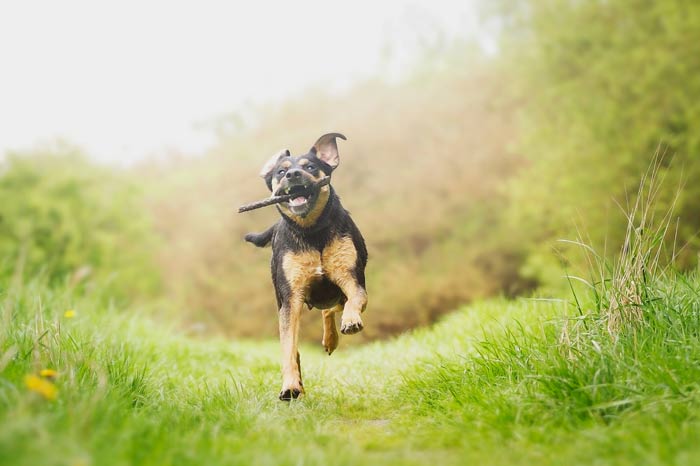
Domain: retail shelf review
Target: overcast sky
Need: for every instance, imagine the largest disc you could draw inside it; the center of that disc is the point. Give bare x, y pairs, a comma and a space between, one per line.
126, 79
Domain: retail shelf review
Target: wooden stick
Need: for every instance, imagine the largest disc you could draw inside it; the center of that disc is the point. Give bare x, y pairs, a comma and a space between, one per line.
283, 198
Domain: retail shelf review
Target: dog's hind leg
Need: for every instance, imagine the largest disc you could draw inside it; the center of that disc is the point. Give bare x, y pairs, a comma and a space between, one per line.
289, 317
330, 331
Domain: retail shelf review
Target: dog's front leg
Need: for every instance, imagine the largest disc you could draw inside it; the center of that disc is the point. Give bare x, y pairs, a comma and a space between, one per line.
351, 320
340, 262
289, 316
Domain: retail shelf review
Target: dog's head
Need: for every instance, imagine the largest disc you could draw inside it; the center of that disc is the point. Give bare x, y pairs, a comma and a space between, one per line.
288, 174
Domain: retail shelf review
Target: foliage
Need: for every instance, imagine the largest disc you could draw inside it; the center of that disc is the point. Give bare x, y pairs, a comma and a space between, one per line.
72, 223
603, 85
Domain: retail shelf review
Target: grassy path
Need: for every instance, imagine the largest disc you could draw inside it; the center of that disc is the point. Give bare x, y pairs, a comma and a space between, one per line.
356, 408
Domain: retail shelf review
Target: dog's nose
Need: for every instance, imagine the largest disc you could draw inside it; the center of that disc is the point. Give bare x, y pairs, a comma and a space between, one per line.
294, 173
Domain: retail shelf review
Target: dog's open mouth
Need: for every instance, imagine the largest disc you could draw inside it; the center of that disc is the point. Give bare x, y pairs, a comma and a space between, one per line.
301, 195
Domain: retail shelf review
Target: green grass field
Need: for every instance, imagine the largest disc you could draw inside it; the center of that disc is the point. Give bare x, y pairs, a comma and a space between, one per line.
494, 383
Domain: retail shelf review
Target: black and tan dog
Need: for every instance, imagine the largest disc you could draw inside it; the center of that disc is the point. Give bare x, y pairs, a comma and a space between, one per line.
318, 254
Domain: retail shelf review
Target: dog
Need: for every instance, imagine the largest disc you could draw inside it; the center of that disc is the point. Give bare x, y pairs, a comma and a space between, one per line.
318, 254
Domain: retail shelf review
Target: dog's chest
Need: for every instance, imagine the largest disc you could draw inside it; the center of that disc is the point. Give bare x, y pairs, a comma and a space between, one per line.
336, 261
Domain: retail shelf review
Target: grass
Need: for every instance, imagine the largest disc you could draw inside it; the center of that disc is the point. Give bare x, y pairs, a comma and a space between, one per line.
494, 383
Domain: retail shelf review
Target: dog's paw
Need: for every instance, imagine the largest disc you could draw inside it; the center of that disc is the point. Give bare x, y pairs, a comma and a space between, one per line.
290, 394
330, 343
351, 326
291, 390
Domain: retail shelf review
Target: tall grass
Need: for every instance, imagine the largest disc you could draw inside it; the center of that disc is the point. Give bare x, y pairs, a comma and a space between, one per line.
637, 266
621, 286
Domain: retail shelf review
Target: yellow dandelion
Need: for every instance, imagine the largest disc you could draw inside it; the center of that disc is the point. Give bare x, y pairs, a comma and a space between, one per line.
69, 314
48, 373
41, 386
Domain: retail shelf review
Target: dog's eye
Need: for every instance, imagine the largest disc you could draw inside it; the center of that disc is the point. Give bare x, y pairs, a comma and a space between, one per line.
281, 172
311, 167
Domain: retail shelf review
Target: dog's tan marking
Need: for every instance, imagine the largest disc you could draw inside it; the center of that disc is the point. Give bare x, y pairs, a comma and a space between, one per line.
339, 257
339, 261
300, 270
275, 184
303, 162
330, 332
310, 218
286, 164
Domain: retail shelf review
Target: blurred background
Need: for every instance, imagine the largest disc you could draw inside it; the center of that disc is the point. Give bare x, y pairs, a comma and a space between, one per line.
479, 133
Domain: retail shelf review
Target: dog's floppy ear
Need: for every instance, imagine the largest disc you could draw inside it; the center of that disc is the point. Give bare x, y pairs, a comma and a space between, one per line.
326, 150
270, 164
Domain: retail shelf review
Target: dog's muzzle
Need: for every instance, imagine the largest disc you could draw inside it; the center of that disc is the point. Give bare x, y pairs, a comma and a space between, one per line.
297, 183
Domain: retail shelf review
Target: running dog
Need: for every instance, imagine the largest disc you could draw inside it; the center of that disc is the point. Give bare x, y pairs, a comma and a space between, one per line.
318, 253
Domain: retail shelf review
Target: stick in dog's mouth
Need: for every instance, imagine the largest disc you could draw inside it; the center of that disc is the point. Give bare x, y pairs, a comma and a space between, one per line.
276, 199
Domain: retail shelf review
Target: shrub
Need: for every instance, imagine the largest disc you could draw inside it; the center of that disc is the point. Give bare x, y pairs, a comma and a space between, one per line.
72, 222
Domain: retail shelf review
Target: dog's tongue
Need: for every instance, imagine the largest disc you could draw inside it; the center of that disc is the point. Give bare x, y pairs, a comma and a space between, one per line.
297, 201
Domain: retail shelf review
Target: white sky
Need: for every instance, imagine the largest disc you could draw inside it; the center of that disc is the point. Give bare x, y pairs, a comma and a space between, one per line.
126, 79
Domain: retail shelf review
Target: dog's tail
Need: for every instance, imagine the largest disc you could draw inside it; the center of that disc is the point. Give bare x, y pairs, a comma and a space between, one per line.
261, 239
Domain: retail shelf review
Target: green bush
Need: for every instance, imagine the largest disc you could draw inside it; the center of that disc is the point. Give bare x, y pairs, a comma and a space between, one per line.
604, 85
71, 222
